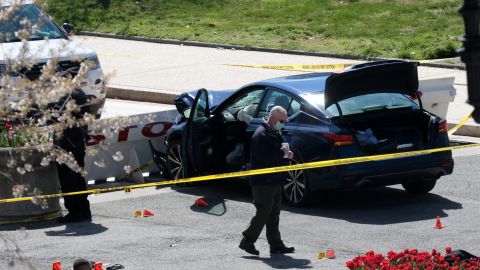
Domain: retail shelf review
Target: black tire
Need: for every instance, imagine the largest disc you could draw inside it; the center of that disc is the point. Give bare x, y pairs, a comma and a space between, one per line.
421, 186
174, 162
296, 190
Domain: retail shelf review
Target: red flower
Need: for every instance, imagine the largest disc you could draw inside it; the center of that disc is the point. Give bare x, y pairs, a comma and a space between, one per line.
410, 260
350, 265
448, 249
8, 126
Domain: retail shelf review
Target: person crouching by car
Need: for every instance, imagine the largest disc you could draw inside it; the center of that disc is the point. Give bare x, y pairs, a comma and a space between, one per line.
267, 151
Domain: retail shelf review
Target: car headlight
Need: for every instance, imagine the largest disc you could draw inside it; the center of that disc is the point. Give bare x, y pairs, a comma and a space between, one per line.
92, 62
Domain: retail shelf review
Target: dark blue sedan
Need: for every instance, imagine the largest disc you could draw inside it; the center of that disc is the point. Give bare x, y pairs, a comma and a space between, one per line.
367, 109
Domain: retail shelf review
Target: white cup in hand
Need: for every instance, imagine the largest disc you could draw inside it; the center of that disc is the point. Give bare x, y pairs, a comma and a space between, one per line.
286, 149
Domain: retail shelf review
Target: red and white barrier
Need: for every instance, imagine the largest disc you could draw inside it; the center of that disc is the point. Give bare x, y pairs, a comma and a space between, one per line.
132, 142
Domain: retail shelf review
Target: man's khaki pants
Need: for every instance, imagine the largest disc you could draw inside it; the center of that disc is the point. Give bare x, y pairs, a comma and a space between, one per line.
268, 202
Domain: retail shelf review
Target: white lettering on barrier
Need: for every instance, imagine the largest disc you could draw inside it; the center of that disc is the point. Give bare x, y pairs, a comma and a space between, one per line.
150, 130
133, 142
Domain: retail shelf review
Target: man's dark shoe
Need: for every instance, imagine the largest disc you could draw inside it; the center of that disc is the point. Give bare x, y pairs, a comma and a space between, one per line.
249, 248
70, 218
282, 250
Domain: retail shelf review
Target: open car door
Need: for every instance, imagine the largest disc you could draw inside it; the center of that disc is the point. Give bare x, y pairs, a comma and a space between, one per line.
200, 137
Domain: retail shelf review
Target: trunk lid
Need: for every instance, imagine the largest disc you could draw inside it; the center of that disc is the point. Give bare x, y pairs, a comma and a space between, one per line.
392, 76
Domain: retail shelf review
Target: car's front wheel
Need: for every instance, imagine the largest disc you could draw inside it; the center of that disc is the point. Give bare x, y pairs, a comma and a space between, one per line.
296, 189
175, 169
421, 186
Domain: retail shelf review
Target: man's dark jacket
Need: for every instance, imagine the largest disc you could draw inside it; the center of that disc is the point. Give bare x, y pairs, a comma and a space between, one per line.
265, 152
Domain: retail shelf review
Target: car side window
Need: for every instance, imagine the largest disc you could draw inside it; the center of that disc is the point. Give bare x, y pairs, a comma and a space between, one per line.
294, 107
243, 108
200, 111
277, 98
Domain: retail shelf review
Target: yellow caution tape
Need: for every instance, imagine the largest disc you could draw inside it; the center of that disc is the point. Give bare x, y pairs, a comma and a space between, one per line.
309, 67
302, 166
138, 169
305, 67
451, 131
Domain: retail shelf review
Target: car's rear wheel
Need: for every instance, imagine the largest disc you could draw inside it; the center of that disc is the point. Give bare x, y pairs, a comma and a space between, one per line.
175, 169
421, 186
296, 189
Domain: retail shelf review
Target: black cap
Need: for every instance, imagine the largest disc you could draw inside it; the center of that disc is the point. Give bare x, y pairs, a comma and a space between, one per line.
81, 262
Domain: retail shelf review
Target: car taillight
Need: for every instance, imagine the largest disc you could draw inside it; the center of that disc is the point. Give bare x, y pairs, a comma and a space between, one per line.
339, 140
442, 126
447, 165
419, 94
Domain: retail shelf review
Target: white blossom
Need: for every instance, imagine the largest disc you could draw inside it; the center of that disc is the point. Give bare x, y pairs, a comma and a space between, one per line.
21, 170
91, 151
100, 163
45, 162
19, 190
118, 156
11, 163
28, 167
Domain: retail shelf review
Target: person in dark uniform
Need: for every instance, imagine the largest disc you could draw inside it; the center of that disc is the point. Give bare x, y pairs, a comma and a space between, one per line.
74, 141
267, 151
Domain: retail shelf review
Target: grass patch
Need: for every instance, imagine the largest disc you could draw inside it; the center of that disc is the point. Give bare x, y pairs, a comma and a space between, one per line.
421, 29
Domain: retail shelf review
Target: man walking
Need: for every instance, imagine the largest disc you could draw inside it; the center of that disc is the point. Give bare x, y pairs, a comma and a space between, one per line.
267, 151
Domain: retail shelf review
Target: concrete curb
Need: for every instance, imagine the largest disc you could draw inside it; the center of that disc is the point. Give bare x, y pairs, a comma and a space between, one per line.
218, 45
250, 48
439, 65
140, 94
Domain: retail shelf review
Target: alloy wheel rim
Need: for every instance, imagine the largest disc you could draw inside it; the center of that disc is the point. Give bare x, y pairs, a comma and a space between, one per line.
175, 162
295, 187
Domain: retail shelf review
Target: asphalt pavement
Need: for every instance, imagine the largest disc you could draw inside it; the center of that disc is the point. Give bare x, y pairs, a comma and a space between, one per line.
180, 236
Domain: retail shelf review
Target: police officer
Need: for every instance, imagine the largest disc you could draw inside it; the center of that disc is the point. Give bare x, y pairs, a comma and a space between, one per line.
267, 151
74, 141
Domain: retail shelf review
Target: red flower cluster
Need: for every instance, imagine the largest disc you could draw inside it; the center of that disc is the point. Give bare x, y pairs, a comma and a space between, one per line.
11, 131
411, 260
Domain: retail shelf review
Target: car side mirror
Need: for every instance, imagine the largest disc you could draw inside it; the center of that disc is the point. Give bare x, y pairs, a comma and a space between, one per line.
68, 28
186, 112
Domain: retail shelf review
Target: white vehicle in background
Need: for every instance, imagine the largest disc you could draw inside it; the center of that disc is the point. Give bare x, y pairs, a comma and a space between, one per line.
47, 42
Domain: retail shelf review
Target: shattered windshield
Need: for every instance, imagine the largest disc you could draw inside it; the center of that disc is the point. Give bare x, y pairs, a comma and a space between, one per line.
42, 26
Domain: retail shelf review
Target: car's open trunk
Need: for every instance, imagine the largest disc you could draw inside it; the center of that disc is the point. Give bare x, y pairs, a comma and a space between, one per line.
392, 130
